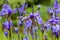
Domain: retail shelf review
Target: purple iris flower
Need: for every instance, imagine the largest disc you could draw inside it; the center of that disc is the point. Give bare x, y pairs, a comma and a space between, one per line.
6, 33
48, 26
21, 9
51, 20
28, 23
3, 12
56, 4
16, 30
4, 26
9, 12
11, 24
57, 11
53, 28
20, 22
7, 24
26, 38
31, 16
25, 32
39, 20
49, 9
23, 5
15, 10
8, 8
57, 18
55, 21
57, 34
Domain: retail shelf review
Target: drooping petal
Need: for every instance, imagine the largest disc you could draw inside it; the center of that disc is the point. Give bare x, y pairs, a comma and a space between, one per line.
6, 33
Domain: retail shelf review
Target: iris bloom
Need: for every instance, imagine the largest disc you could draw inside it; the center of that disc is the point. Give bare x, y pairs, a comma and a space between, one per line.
8, 8
6, 33
16, 30
51, 20
56, 4
15, 10
26, 38
7, 24
4, 12
28, 23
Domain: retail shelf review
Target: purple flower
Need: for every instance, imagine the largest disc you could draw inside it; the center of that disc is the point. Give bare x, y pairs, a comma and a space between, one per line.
11, 24
6, 33
53, 16
39, 20
15, 10
16, 30
25, 32
23, 5
56, 4
28, 23
26, 38
48, 26
7, 24
3, 12
9, 12
57, 18
8, 8
21, 10
51, 20
57, 11
56, 21
5, 6
37, 14
51, 11
48, 9
20, 23
31, 16
53, 28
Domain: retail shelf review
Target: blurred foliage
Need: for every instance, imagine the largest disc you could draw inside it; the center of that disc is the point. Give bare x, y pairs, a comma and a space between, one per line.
14, 16
15, 23
14, 3
43, 2
30, 2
